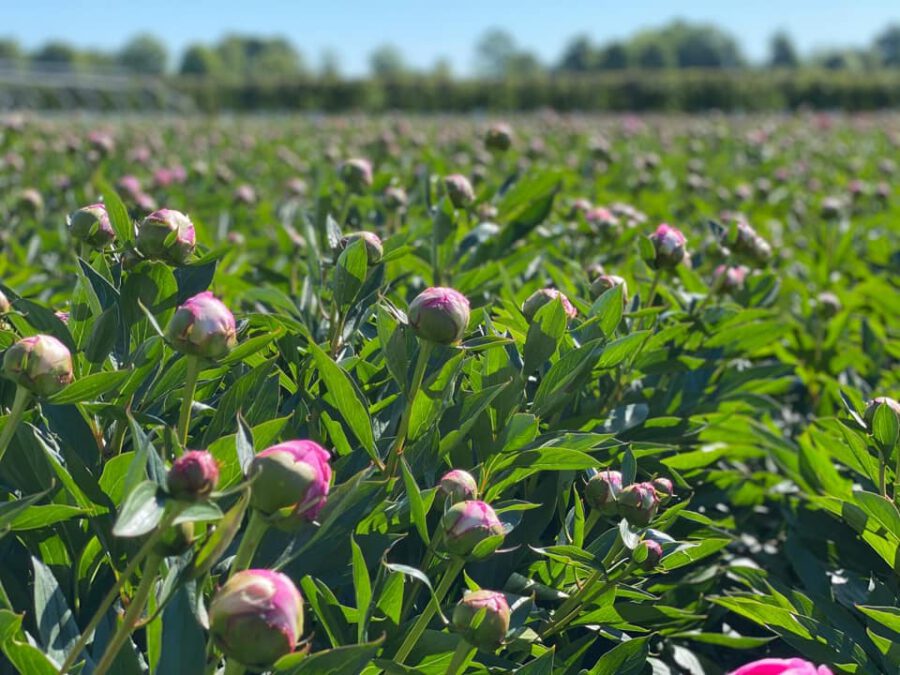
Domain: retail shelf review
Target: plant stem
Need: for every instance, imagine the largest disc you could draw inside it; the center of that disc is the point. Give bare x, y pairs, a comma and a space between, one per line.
897, 478
232, 667
651, 294
882, 470
23, 396
396, 450
190, 386
132, 615
337, 329
461, 656
256, 528
591, 521
453, 569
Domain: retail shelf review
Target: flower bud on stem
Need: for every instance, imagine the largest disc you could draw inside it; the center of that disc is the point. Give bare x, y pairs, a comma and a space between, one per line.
453, 569
20, 403
256, 530
187, 400
425, 349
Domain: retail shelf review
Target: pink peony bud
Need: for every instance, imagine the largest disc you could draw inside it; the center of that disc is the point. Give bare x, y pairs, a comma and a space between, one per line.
167, 235
395, 198
374, 247
467, 524
638, 504
193, 476
499, 138
439, 315
203, 326
664, 487
5, 305
91, 225
729, 279
653, 552
782, 667
458, 485
490, 613
31, 201
245, 194
459, 190
606, 282
541, 297
294, 475
257, 617
580, 205
602, 491
40, 363
131, 185
669, 244
357, 174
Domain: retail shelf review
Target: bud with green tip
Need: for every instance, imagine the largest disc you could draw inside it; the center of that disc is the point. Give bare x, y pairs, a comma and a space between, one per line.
459, 190
541, 297
374, 247
638, 504
257, 617
489, 611
653, 552
439, 315
467, 524
602, 491
203, 326
90, 224
40, 363
458, 485
167, 235
294, 475
193, 476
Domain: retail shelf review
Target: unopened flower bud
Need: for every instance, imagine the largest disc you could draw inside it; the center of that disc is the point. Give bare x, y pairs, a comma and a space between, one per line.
167, 235
828, 304
729, 279
292, 475
490, 613
459, 190
606, 282
602, 491
245, 194
395, 198
257, 617
664, 487
40, 363
498, 138
91, 225
872, 406
638, 504
5, 305
193, 476
439, 315
467, 524
458, 485
357, 174
31, 201
669, 244
653, 552
203, 326
374, 247
541, 297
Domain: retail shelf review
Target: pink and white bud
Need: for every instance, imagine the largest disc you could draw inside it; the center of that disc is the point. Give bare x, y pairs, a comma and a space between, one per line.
257, 617
193, 476
395, 198
669, 244
458, 486
872, 406
459, 190
5, 305
357, 174
482, 617
439, 315
167, 235
468, 524
293, 475
638, 503
203, 326
40, 363
665, 488
374, 246
729, 279
91, 225
602, 491
499, 138
606, 282
541, 297
650, 552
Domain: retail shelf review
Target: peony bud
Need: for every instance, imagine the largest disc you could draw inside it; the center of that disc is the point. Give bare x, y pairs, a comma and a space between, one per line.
541, 297
193, 476
467, 524
40, 363
654, 554
91, 225
490, 611
498, 138
357, 174
31, 201
395, 198
458, 485
374, 247
295, 474
872, 406
257, 617
203, 326
459, 190
729, 279
167, 235
638, 503
439, 315
781, 667
669, 244
664, 487
5, 305
606, 282
828, 304
602, 491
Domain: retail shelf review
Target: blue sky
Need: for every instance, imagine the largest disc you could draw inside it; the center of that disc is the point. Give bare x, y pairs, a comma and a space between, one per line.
426, 30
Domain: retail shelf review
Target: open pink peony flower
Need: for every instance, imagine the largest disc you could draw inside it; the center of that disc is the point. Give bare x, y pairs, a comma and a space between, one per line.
782, 667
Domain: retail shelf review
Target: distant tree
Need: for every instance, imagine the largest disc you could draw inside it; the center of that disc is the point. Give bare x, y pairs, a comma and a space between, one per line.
703, 46
248, 56
833, 60
887, 46
200, 60
10, 50
613, 56
330, 65
579, 56
442, 69
56, 54
144, 54
494, 52
94, 58
651, 55
387, 62
782, 53
523, 64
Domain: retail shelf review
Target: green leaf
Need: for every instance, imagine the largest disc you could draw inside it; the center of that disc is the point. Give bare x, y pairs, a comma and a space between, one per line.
90, 387
54, 619
416, 504
104, 334
608, 309
25, 657
362, 585
884, 511
36, 517
118, 214
350, 273
218, 542
337, 661
885, 428
544, 333
627, 658
141, 512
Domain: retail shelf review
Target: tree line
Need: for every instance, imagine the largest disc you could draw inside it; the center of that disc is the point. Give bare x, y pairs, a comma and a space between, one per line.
677, 45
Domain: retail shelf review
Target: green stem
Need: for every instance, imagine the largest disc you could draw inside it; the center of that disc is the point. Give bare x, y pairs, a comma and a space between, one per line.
131, 616
110, 596
337, 329
453, 569
232, 667
396, 450
23, 396
461, 656
651, 294
256, 528
190, 386
882, 482
897, 479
